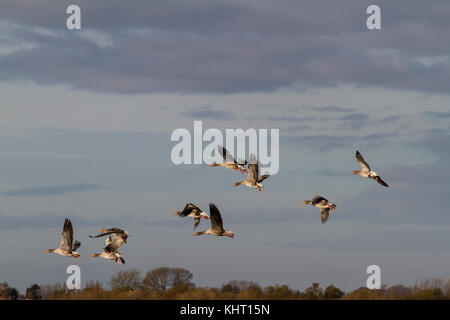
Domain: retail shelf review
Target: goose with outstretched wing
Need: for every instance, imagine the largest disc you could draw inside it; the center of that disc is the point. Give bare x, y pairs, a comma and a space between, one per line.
253, 179
323, 204
110, 251
192, 211
122, 235
67, 246
216, 228
229, 161
366, 172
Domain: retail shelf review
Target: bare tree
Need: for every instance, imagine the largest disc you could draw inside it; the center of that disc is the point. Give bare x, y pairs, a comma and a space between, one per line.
33, 293
164, 278
126, 280
8, 293
158, 279
180, 277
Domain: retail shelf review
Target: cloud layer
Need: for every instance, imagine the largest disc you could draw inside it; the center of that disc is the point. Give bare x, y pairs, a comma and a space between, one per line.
227, 46
43, 191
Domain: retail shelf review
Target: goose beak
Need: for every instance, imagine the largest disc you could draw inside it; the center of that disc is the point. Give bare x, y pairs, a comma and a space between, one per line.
197, 234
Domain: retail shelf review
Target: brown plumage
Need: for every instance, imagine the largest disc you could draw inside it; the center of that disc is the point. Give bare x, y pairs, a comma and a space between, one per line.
323, 204
216, 228
192, 211
366, 172
67, 246
253, 179
229, 161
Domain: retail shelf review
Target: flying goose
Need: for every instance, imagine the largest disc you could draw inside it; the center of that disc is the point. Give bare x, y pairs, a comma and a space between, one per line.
230, 162
122, 235
67, 246
366, 172
253, 179
324, 206
191, 210
110, 251
216, 228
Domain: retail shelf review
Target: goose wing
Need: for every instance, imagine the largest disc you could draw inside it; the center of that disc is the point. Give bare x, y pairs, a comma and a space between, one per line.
188, 209
364, 165
114, 245
264, 177
318, 199
67, 236
226, 155
378, 179
196, 222
76, 245
216, 218
253, 169
108, 240
105, 232
324, 214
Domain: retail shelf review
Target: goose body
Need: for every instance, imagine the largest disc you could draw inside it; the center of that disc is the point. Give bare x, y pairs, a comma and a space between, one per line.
216, 228
253, 179
194, 212
366, 172
229, 161
323, 204
110, 251
67, 246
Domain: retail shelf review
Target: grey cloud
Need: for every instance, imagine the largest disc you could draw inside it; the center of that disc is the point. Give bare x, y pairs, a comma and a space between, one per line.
296, 128
400, 239
46, 220
438, 142
209, 113
288, 118
330, 173
355, 120
323, 142
44, 191
437, 115
230, 46
329, 109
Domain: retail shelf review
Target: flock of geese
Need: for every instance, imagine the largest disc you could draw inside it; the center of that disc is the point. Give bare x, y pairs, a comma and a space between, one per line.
254, 180
68, 247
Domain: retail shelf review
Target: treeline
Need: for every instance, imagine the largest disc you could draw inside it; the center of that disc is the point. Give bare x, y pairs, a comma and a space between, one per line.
176, 283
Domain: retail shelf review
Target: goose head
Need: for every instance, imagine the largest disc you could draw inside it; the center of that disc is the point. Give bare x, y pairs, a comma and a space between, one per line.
229, 233
204, 215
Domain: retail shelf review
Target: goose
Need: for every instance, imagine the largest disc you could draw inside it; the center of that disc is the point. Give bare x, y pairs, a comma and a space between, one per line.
230, 162
323, 204
110, 251
366, 172
67, 246
191, 210
216, 228
253, 179
122, 235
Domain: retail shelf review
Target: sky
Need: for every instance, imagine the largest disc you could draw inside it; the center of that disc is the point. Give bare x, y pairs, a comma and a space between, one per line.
86, 119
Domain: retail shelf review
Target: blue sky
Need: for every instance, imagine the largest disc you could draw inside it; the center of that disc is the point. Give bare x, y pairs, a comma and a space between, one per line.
86, 118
